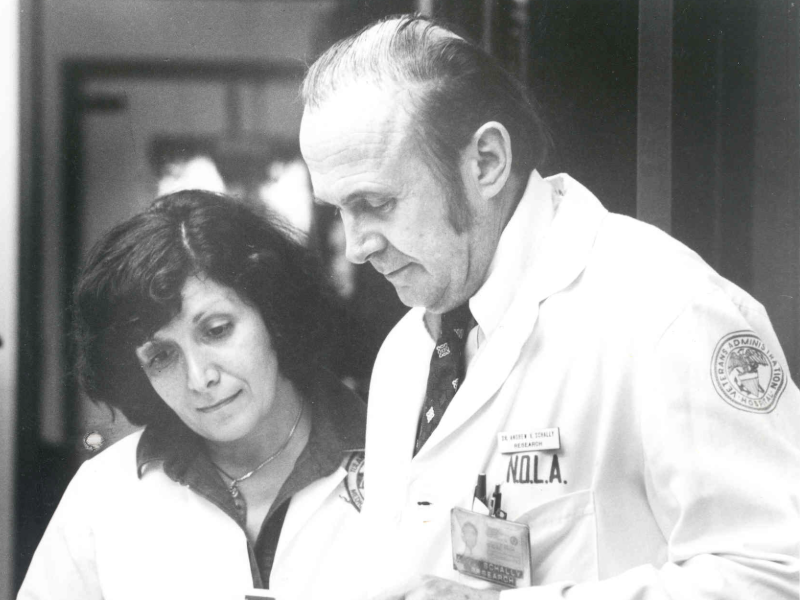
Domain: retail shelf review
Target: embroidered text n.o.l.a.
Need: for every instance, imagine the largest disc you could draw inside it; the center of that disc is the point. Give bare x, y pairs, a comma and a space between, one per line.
746, 374
527, 468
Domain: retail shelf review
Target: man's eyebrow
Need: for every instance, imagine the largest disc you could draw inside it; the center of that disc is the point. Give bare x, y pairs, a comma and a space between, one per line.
350, 199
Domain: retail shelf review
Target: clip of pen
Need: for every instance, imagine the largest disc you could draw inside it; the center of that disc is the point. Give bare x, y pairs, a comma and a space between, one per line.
480, 495
495, 504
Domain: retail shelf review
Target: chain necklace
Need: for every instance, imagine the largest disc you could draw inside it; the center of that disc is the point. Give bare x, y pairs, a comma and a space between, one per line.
233, 488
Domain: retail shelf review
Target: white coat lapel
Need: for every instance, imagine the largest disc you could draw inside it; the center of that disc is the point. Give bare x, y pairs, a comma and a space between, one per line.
303, 507
558, 260
571, 238
491, 367
393, 412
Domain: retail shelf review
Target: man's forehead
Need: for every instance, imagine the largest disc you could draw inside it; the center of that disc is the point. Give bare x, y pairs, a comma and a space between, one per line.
362, 113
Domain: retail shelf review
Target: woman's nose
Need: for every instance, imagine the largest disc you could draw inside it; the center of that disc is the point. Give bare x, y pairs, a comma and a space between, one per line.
202, 373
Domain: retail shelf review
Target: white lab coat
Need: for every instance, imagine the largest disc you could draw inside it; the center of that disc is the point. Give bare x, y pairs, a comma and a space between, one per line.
663, 488
117, 537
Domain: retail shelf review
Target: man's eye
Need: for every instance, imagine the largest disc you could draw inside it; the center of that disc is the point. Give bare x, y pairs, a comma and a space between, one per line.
382, 206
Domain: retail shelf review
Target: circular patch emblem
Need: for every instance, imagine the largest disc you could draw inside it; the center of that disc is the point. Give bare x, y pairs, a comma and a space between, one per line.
93, 441
746, 373
354, 480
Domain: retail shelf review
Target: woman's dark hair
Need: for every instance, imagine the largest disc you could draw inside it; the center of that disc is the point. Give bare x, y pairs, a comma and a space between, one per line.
131, 285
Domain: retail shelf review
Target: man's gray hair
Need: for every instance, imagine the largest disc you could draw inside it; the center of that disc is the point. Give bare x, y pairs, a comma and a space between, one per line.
454, 86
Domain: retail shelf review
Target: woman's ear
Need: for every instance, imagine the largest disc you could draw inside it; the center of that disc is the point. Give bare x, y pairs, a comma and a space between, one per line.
489, 158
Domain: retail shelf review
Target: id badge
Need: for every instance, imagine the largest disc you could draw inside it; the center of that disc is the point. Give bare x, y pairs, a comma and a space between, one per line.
489, 548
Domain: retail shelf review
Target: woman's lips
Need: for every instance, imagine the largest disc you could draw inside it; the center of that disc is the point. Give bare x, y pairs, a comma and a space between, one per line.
396, 272
220, 404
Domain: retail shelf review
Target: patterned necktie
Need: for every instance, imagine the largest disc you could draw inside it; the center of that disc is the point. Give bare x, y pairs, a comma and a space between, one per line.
447, 371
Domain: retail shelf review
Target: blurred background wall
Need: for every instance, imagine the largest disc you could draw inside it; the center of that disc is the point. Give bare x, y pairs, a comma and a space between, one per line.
682, 113
9, 270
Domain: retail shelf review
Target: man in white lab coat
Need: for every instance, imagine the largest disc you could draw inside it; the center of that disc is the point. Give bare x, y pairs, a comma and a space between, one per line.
634, 407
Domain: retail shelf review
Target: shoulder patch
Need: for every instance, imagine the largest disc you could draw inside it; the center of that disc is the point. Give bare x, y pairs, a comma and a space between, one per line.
354, 478
746, 373
93, 441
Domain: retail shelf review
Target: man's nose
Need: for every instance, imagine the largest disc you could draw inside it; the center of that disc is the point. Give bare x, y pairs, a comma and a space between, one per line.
202, 372
362, 241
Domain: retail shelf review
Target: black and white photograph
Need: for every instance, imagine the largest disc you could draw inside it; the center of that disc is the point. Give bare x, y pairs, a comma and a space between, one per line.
291, 290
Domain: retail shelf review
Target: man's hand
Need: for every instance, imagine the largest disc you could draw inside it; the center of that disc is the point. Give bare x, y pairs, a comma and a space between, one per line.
428, 587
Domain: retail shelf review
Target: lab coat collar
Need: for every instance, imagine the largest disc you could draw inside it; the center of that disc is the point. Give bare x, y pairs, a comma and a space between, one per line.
519, 246
170, 442
540, 264
338, 430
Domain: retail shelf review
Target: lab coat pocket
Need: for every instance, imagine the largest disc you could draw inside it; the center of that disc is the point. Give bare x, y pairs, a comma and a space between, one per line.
563, 537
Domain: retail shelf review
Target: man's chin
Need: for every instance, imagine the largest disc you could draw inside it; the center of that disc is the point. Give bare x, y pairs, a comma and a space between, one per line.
415, 298
410, 296
412, 290
407, 297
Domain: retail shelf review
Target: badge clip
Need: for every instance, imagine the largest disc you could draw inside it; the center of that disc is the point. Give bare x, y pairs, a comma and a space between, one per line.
495, 503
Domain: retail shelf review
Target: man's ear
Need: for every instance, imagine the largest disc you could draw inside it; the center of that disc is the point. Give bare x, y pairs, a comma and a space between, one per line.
489, 158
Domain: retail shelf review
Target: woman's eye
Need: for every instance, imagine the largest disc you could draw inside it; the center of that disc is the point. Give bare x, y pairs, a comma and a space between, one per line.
160, 359
218, 331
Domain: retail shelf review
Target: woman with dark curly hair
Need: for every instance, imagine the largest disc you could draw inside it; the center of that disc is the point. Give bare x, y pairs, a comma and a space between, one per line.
203, 320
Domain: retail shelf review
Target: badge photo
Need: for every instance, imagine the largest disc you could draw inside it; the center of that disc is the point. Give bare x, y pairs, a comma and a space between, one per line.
490, 548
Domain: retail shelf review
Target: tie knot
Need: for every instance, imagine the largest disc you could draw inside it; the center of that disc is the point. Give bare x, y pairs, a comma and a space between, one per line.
457, 320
